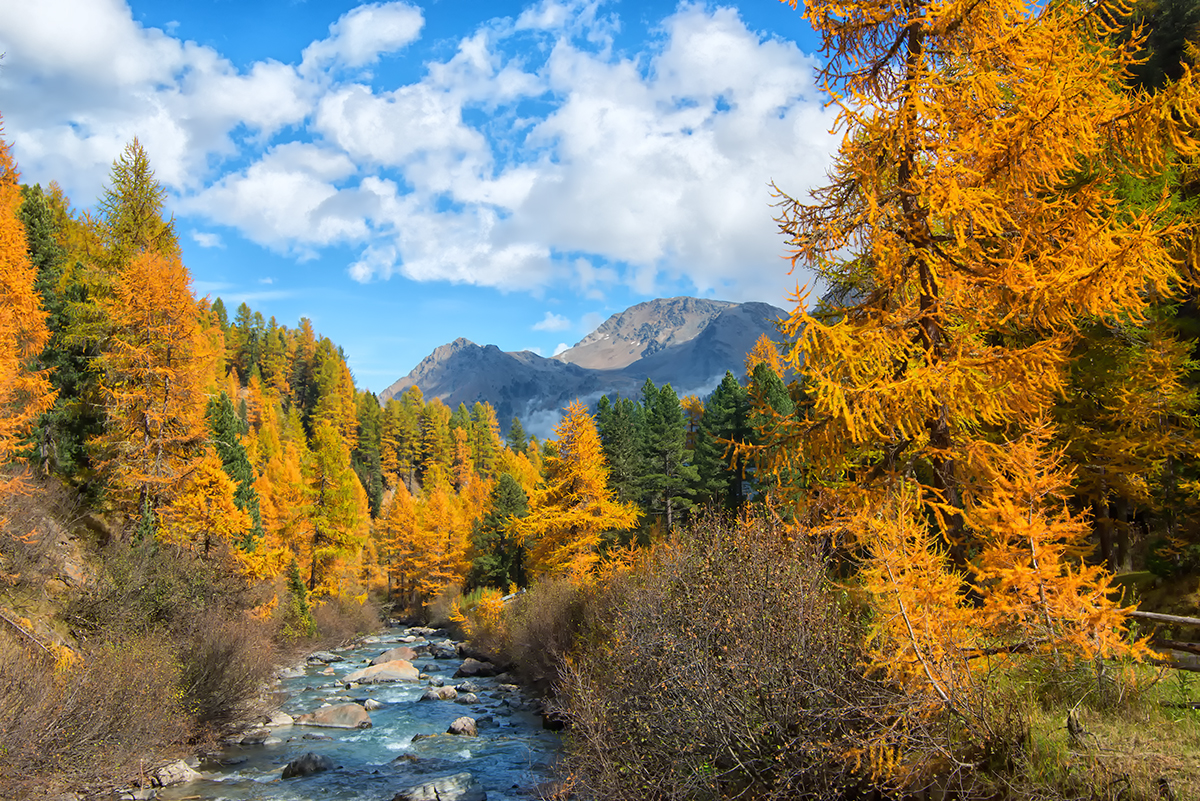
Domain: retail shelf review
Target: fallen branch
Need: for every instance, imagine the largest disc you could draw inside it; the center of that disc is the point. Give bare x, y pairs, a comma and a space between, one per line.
1161, 618
28, 634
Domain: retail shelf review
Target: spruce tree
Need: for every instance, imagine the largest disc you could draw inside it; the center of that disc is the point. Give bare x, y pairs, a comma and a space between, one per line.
517, 441
499, 556
226, 428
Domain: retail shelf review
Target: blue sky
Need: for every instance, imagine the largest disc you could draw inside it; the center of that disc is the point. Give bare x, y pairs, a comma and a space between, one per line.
406, 173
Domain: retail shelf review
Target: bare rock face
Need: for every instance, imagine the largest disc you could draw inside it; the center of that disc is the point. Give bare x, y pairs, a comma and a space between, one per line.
403, 652
338, 716
464, 727
395, 670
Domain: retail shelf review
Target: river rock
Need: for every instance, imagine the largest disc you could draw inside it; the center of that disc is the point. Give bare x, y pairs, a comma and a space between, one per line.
439, 694
472, 667
255, 736
279, 720
307, 764
395, 670
324, 657
443, 650
458, 787
403, 652
175, 773
337, 716
289, 673
436, 681
464, 727
371, 705
467, 698
467, 687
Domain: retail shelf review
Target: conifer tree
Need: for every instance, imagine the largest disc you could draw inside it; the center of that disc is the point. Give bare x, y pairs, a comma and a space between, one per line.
25, 391
517, 441
669, 475
499, 557
973, 221
572, 510
226, 430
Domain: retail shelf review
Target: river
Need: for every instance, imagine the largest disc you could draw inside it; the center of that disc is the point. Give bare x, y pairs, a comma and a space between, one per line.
511, 755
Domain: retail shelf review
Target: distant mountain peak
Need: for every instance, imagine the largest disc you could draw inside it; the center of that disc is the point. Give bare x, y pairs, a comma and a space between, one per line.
642, 331
686, 342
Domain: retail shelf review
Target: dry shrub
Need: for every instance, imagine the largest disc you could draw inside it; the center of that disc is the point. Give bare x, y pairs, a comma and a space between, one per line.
100, 718
224, 663
440, 611
341, 619
729, 669
544, 626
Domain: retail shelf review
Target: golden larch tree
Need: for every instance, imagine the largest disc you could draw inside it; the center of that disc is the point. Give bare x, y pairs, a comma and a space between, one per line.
574, 507
972, 221
25, 391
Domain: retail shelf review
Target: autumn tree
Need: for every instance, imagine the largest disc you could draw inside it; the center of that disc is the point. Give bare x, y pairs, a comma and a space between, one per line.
499, 557
226, 429
152, 380
332, 513
25, 391
570, 512
973, 221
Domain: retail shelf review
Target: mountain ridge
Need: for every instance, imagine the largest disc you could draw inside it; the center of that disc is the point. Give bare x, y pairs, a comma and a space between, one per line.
686, 342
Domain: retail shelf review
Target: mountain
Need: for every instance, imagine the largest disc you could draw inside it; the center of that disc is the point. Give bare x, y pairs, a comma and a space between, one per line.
686, 342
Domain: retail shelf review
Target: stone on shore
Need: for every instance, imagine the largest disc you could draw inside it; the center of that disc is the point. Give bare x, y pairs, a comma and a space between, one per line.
175, 773
472, 667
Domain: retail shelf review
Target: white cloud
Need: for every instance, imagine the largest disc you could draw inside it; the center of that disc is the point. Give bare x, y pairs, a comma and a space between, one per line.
207, 240
535, 155
81, 78
552, 322
363, 34
560, 347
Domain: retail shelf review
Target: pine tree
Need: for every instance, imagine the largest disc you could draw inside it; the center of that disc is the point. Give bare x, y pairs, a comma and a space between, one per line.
226, 430
499, 557
517, 441
669, 475
724, 424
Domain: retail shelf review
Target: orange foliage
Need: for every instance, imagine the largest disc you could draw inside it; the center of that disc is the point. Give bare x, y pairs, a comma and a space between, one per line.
24, 392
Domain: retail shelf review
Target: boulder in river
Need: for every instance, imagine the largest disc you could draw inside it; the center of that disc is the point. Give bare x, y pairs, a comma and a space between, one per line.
472, 667
307, 764
443, 650
338, 716
371, 705
439, 694
464, 727
458, 787
467, 698
324, 657
403, 652
395, 670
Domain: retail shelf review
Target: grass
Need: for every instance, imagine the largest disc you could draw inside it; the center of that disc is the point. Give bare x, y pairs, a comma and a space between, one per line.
1129, 747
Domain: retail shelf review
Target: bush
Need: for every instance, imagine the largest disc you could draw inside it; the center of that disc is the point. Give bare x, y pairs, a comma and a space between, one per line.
726, 667
544, 626
98, 717
341, 619
224, 663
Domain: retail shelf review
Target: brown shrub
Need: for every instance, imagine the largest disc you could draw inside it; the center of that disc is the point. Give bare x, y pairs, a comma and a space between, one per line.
343, 619
224, 663
543, 626
95, 720
727, 668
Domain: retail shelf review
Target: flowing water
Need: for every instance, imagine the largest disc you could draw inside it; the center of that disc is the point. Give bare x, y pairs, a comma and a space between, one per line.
511, 755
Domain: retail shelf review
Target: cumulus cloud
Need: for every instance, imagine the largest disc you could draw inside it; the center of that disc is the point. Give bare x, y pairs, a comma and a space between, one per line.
560, 347
552, 322
207, 240
534, 155
81, 78
363, 34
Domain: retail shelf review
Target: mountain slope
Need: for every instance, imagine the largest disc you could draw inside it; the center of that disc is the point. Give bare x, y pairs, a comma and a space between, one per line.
686, 342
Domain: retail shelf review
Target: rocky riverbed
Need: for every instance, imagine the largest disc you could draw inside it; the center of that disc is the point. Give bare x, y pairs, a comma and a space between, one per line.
404, 716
